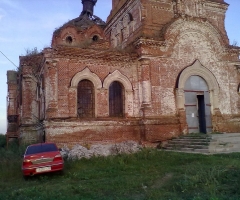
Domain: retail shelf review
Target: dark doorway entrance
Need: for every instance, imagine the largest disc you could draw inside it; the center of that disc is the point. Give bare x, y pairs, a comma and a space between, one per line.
201, 114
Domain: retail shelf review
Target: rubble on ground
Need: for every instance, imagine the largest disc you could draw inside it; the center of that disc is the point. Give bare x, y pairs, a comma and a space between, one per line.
79, 151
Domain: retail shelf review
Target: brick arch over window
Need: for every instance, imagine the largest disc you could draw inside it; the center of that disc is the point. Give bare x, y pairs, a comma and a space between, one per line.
198, 70
85, 75
117, 76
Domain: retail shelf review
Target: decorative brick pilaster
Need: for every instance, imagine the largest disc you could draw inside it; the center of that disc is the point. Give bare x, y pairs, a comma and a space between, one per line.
102, 106
72, 99
51, 83
145, 81
183, 121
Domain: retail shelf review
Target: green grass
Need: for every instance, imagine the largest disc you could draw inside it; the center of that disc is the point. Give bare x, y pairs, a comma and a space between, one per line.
149, 174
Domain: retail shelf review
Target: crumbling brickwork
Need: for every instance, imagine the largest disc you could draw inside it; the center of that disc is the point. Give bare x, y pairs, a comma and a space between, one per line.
160, 54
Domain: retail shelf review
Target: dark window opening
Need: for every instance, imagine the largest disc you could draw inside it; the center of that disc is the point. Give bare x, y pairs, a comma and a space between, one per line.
12, 118
42, 82
44, 137
69, 39
130, 17
95, 38
85, 99
116, 100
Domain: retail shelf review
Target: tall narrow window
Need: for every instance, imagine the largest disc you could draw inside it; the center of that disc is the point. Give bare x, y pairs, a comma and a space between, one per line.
116, 100
85, 99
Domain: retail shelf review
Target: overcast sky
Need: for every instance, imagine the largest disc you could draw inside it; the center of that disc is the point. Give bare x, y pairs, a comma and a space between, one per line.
26, 24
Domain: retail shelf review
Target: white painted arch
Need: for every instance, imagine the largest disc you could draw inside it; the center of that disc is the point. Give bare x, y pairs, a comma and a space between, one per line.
198, 69
86, 74
118, 76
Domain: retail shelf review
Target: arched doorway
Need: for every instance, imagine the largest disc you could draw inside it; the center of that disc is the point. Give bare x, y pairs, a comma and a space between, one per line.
197, 92
197, 105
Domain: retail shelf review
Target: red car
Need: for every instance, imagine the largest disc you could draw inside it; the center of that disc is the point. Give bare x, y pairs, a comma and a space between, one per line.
42, 158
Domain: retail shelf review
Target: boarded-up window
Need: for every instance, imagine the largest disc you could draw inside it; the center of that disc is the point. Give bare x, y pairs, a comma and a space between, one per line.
85, 99
116, 100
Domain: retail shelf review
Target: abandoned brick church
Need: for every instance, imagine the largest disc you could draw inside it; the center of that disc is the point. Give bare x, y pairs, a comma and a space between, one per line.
154, 70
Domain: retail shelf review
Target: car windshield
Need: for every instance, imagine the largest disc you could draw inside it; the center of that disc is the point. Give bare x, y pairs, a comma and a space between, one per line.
41, 148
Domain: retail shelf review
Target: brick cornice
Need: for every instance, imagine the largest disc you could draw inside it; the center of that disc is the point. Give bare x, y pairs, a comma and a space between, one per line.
149, 42
104, 55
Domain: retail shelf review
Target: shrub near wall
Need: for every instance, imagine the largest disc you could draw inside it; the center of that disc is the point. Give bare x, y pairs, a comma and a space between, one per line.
10, 159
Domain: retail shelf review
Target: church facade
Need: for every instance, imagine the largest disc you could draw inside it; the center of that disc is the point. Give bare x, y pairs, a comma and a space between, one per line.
156, 69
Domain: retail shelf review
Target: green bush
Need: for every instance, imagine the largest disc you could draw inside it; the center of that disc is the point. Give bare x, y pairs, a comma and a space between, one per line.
3, 141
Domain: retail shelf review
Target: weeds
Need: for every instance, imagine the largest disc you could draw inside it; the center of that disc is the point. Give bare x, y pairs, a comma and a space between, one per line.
149, 174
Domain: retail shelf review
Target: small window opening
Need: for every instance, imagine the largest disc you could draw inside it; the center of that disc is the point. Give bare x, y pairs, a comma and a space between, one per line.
69, 39
130, 17
85, 99
116, 99
95, 38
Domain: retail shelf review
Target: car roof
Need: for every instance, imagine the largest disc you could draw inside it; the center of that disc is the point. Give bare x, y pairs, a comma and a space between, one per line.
46, 143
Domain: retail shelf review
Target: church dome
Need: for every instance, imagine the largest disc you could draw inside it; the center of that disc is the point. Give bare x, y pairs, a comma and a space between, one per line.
86, 18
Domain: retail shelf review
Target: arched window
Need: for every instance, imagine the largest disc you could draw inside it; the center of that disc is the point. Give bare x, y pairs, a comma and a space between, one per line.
116, 99
85, 99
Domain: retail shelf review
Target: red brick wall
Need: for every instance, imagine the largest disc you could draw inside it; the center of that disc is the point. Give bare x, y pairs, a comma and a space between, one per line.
164, 39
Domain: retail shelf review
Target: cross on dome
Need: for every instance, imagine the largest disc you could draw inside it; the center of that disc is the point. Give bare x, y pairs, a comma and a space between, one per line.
88, 7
